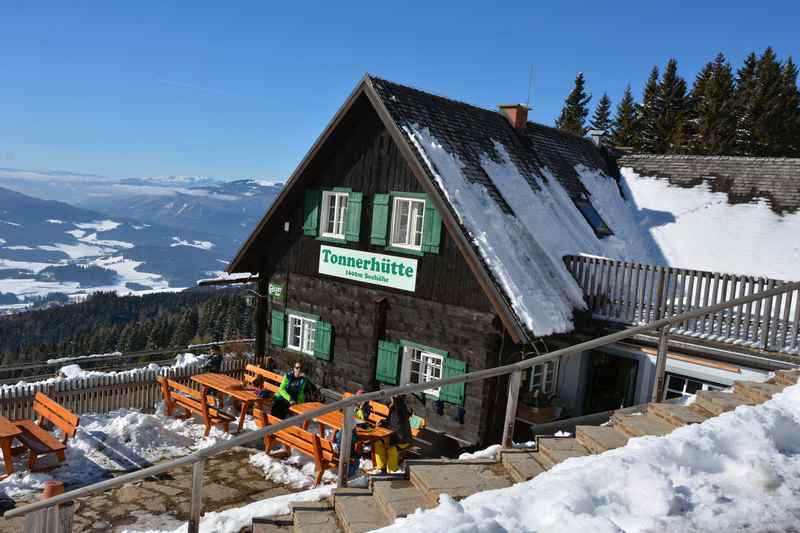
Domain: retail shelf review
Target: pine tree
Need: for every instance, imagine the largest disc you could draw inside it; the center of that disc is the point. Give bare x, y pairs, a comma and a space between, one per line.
601, 120
672, 107
648, 115
573, 114
745, 90
713, 110
625, 128
789, 134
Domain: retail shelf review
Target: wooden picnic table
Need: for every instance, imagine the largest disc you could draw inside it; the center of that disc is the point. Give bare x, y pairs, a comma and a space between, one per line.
335, 421
8, 432
246, 396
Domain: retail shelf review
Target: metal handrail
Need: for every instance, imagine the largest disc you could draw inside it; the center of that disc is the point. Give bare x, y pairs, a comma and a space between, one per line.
515, 369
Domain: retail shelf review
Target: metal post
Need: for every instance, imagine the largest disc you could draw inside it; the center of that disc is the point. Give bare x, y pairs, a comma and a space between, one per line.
514, 383
661, 365
346, 443
197, 496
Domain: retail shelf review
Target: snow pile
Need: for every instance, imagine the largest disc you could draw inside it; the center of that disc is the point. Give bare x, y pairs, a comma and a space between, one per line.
296, 471
693, 228
738, 471
525, 252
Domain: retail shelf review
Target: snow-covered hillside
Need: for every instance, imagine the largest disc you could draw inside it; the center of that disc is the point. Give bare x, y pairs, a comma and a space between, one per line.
50, 246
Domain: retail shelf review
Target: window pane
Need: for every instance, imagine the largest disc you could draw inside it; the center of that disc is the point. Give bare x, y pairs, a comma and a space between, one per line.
692, 386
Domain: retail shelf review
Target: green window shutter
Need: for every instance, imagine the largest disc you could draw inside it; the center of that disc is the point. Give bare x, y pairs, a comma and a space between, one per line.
353, 225
278, 328
453, 393
388, 362
322, 341
380, 219
432, 229
311, 212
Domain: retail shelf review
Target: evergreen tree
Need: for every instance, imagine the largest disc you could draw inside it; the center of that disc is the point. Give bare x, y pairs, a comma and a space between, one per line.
672, 108
575, 110
625, 129
601, 120
647, 115
745, 105
713, 110
789, 134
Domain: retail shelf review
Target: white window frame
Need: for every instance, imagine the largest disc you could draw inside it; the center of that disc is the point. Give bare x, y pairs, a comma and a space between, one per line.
308, 329
548, 372
339, 222
429, 362
414, 225
704, 385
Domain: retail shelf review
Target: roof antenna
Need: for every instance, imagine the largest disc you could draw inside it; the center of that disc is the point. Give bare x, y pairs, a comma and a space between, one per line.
530, 83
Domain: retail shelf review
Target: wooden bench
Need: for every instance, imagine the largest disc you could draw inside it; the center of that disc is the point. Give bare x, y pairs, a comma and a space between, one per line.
192, 401
255, 376
37, 439
305, 442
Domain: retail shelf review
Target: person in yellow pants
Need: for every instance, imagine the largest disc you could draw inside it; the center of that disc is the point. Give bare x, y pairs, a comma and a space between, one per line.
387, 451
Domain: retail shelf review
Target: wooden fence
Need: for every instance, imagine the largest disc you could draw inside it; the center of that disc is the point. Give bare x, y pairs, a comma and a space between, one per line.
102, 394
636, 293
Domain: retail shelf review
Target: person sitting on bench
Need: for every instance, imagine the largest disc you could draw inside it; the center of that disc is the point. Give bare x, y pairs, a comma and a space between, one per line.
387, 453
291, 391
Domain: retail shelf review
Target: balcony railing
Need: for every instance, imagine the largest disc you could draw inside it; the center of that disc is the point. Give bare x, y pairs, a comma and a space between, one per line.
636, 293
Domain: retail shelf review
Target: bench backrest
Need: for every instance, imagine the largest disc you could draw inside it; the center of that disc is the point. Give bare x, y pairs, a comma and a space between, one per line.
269, 380
61, 417
168, 386
299, 438
378, 410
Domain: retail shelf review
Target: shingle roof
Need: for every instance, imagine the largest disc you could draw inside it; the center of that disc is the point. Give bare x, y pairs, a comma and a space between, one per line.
743, 179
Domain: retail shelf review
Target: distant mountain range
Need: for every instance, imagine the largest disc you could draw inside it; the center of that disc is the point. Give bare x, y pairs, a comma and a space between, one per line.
128, 235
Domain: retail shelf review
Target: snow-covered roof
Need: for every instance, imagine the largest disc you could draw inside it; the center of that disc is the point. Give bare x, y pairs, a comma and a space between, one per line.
514, 195
724, 214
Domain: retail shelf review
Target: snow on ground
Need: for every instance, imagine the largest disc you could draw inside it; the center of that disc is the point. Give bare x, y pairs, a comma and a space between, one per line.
203, 245
54, 221
17, 247
738, 471
76, 251
99, 225
696, 228
526, 261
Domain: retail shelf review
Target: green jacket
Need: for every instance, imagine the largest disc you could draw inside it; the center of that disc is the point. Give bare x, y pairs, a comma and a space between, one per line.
292, 389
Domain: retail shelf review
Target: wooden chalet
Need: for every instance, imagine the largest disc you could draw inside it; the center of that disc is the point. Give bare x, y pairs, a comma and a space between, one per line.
423, 237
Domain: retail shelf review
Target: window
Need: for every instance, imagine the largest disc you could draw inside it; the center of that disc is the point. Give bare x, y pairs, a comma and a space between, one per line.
594, 219
301, 334
334, 211
422, 366
407, 219
544, 377
679, 386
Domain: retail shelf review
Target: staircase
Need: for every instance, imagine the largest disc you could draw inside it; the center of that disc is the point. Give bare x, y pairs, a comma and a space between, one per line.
390, 497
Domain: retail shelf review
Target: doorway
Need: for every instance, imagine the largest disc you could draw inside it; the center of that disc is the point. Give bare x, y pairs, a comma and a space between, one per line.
611, 382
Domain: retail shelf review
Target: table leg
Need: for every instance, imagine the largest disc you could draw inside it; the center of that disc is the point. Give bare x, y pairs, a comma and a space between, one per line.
245, 406
6, 446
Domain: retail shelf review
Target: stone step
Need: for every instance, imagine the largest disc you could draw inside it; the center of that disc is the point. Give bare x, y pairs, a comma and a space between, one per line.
599, 439
677, 415
358, 511
757, 392
458, 480
521, 466
316, 517
398, 498
273, 524
559, 449
718, 402
642, 425
787, 377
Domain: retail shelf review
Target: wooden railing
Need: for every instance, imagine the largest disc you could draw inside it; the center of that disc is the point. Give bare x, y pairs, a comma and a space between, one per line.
636, 293
103, 394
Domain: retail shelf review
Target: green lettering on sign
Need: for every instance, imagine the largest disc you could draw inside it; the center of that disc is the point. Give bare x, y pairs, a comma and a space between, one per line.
366, 267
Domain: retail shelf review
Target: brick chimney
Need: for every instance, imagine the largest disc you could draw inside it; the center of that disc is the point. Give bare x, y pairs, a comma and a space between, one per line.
517, 115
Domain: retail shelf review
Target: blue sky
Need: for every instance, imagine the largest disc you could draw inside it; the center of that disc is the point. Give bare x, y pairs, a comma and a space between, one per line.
242, 89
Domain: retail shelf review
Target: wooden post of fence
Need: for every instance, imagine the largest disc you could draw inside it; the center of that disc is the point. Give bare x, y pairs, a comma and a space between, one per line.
662, 280
345, 446
661, 365
197, 496
514, 383
56, 519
